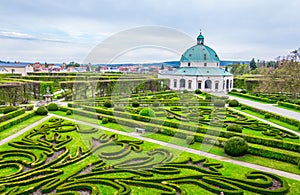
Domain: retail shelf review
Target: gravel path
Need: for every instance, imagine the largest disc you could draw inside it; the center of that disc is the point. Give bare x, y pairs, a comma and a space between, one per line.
213, 156
268, 107
265, 121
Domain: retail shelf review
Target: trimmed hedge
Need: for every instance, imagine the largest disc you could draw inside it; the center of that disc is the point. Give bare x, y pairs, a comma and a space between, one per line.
52, 107
235, 128
267, 100
41, 111
233, 103
289, 105
12, 114
290, 121
16, 120
236, 146
9, 109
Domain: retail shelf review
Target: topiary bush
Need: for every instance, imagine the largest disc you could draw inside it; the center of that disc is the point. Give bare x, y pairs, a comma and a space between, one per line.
244, 91
233, 103
235, 128
219, 103
9, 109
147, 112
69, 112
267, 115
243, 107
135, 104
236, 146
108, 104
104, 121
41, 111
198, 91
52, 107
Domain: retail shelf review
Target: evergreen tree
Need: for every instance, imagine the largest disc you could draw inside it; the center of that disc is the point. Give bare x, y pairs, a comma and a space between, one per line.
253, 64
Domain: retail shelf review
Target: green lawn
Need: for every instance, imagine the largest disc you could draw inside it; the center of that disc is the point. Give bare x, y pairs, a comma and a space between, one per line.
12, 130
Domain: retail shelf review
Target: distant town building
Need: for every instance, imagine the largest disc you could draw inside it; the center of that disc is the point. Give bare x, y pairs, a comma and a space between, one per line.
199, 69
15, 68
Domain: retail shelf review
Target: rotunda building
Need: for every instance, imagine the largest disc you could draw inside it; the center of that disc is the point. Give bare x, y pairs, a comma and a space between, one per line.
199, 69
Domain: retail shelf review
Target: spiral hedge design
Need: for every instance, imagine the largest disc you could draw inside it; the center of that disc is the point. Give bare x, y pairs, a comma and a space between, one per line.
52, 159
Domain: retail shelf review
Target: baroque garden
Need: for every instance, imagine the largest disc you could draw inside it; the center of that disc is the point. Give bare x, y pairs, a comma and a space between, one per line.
86, 142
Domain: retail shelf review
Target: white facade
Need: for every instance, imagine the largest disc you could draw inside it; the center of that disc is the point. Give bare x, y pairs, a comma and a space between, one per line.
11, 69
204, 83
200, 64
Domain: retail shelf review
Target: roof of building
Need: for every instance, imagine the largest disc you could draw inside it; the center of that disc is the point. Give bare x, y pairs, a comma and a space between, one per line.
197, 71
200, 52
13, 64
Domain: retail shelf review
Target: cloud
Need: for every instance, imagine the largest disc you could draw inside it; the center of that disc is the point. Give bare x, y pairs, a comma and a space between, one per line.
247, 29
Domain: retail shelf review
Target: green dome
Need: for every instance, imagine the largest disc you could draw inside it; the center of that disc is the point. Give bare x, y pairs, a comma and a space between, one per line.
200, 53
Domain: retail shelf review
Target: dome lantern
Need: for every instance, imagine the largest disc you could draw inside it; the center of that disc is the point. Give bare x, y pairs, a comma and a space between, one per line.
200, 39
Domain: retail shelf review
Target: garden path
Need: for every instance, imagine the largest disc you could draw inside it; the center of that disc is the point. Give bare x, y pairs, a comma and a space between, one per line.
265, 121
268, 107
213, 156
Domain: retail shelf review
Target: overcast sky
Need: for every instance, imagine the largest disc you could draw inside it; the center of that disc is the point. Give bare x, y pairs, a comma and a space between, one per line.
67, 30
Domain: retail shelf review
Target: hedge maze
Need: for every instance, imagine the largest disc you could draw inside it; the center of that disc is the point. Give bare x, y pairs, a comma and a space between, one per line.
60, 157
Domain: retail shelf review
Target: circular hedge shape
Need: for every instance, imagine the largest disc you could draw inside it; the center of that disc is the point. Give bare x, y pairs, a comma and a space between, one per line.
233, 103
41, 111
135, 104
9, 109
147, 112
236, 146
235, 128
69, 112
108, 104
104, 120
219, 103
198, 91
267, 115
52, 107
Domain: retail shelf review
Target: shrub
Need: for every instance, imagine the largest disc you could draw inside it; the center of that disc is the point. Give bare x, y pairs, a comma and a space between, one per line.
108, 104
147, 112
135, 104
243, 107
41, 111
9, 109
198, 91
69, 112
233, 90
235, 128
104, 121
52, 107
155, 104
233, 103
236, 146
243, 91
190, 139
219, 103
267, 115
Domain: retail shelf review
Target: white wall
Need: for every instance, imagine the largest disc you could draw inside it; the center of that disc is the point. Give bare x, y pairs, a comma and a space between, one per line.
195, 79
200, 64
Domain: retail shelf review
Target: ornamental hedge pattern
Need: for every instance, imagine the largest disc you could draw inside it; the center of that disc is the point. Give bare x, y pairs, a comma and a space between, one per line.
51, 159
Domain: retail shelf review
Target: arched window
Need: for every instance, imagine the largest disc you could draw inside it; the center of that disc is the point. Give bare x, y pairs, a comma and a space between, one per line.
182, 83
189, 63
175, 83
208, 84
216, 85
